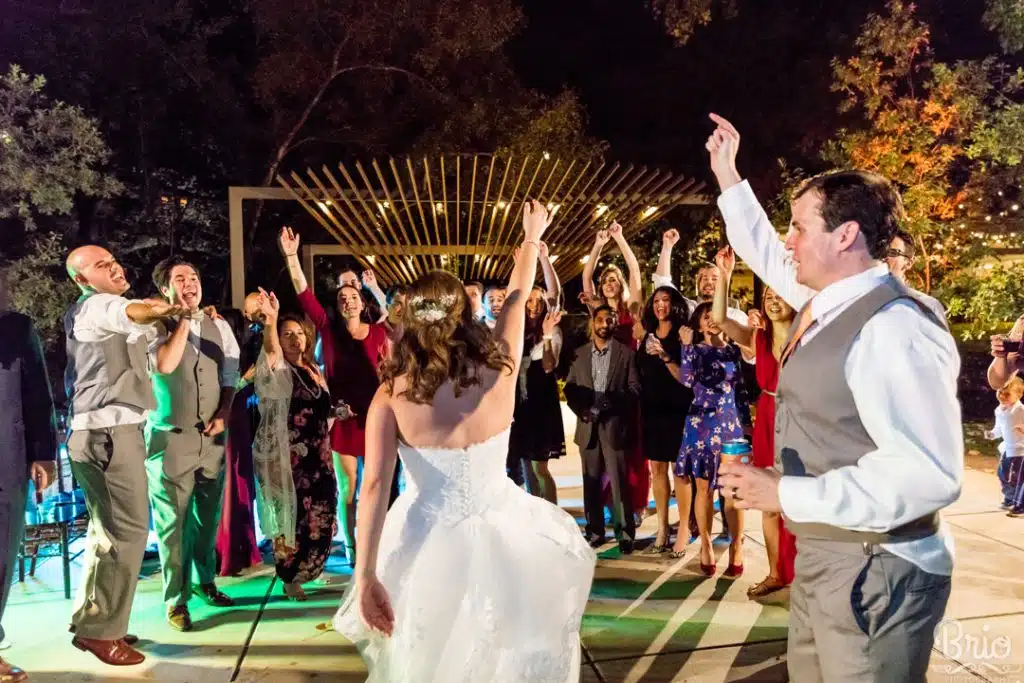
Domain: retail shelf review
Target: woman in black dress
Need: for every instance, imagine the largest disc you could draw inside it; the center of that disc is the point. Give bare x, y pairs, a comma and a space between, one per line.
664, 401
537, 432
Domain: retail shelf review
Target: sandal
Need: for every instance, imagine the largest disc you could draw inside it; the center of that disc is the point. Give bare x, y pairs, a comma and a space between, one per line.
294, 592
677, 554
10, 673
768, 586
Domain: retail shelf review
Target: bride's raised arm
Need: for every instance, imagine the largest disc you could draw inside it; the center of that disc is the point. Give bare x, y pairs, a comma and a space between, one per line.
379, 470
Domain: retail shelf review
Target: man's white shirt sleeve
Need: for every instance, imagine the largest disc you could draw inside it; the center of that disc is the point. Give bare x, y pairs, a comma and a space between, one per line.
229, 373
755, 241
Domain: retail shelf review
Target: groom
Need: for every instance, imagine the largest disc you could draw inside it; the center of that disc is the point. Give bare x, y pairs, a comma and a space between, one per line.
196, 371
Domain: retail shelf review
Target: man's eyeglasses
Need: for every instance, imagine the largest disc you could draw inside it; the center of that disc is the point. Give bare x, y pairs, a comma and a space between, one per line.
896, 253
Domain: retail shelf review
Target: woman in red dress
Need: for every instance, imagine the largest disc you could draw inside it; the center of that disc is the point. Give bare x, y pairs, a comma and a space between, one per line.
767, 334
352, 349
627, 301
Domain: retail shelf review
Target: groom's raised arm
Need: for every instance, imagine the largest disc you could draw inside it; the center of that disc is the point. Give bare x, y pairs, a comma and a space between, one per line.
750, 232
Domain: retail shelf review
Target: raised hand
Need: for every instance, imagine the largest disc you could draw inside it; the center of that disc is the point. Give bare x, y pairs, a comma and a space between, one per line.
615, 231
375, 606
536, 219
270, 307
755, 320
685, 335
369, 279
551, 321
288, 241
670, 238
723, 145
601, 238
725, 261
590, 301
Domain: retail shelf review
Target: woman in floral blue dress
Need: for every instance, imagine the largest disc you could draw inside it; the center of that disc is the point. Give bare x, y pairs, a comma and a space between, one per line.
711, 367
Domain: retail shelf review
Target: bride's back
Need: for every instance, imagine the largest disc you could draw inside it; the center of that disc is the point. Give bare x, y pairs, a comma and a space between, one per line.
451, 382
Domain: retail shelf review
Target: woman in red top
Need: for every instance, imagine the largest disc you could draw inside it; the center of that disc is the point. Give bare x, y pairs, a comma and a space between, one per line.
627, 301
767, 334
352, 350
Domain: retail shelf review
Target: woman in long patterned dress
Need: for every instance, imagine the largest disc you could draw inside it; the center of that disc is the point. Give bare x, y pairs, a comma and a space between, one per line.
767, 333
295, 409
352, 349
711, 367
626, 301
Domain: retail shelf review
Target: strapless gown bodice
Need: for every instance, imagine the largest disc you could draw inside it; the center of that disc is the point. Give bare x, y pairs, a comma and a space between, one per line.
487, 582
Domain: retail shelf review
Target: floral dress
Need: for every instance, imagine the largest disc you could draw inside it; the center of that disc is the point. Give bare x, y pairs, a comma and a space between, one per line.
713, 417
316, 493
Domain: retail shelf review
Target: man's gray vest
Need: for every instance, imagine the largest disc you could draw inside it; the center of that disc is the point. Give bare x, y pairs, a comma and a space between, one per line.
188, 397
105, 373
817, 425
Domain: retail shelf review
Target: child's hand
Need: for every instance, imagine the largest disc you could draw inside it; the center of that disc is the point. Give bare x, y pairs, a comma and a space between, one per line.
990, 434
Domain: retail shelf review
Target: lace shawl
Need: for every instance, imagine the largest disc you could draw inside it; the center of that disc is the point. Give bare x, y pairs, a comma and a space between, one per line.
271, 455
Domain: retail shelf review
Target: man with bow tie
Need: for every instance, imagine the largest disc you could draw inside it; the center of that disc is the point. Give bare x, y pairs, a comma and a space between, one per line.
195, 370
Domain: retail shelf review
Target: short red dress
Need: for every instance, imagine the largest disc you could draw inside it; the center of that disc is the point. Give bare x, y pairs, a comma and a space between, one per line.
351, 374
767, 369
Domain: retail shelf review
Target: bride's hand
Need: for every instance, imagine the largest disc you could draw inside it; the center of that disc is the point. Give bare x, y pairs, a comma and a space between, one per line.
375, 606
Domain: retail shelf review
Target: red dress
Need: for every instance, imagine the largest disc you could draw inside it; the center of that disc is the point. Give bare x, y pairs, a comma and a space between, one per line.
638, 475
767, 368
350, 377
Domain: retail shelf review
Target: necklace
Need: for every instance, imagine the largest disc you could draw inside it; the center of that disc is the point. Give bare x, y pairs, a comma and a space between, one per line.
314, 392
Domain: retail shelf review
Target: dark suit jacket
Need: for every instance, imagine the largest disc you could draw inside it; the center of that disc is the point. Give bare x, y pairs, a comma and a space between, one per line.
616, 425
27, 428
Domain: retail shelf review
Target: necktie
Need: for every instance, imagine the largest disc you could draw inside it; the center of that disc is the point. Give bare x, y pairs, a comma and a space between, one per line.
803, 324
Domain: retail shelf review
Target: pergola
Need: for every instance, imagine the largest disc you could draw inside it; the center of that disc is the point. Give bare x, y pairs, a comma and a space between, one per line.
461, 213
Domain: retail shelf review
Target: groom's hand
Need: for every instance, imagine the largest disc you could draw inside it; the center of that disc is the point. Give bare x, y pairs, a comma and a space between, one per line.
723, 145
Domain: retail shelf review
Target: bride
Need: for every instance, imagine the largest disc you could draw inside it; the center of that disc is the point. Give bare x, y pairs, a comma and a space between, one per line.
469, 578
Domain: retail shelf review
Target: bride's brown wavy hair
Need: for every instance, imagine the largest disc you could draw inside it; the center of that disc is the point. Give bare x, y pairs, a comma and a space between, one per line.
448, 345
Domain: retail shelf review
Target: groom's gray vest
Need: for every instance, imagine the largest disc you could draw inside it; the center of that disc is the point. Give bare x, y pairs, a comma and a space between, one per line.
188, 397
817, 425
110, 372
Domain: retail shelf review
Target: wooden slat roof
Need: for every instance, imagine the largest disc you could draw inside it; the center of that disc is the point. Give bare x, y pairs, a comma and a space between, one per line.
472, 203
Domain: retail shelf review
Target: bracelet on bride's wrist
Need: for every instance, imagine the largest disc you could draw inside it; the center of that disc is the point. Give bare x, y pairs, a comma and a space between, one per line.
533, 242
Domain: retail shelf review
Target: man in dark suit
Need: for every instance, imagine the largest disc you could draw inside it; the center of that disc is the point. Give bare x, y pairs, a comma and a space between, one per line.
28, 441
602, 389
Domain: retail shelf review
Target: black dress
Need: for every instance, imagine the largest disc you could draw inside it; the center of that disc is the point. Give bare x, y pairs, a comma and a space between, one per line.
316, 492
537, 431
664, 402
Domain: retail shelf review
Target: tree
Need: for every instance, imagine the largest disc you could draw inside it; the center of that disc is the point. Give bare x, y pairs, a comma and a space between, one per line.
1006, 19
929, 127
50, 152
682, 18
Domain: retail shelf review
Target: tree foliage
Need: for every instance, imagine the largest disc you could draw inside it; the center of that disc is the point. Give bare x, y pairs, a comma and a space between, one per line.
929, 126
49, 152
1006, 19
682, 18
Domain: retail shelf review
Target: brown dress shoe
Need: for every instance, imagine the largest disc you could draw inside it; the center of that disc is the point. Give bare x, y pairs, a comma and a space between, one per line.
209, 594
179, 618
112, 652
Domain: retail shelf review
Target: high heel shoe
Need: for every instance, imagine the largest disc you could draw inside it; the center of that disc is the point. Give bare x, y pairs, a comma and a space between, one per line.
707, 569
734, 571
294, 591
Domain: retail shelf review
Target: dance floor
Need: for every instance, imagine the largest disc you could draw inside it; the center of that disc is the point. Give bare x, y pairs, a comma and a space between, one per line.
650, 619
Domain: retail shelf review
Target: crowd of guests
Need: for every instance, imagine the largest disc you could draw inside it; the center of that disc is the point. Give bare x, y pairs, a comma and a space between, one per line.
234, 411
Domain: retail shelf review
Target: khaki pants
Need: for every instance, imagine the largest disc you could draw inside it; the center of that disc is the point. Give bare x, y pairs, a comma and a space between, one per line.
109, 465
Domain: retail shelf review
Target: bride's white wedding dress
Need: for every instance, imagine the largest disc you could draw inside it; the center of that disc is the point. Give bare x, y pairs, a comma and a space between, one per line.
488, 583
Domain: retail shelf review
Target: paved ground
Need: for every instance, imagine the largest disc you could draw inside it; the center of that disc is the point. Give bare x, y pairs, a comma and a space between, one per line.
649, 619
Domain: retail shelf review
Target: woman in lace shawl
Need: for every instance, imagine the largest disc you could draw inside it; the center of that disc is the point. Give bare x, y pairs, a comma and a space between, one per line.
291, 453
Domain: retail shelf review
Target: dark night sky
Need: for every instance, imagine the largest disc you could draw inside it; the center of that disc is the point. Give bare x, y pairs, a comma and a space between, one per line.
768, 70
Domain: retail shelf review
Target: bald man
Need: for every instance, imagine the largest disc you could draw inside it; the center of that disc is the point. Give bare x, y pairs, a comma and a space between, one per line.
109, 391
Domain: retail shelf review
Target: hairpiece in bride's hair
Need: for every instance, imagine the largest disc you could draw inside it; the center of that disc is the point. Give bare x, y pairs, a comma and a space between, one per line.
432, 310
